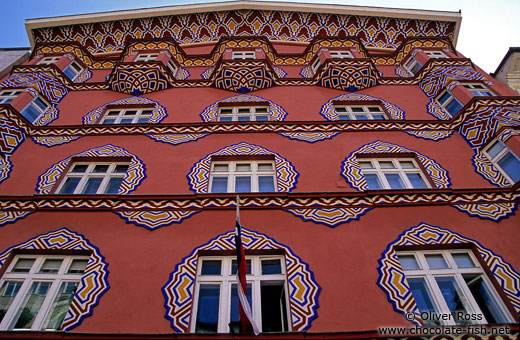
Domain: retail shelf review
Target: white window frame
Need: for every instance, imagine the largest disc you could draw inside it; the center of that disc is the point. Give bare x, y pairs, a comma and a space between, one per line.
499, 155
49, 60
74, 68
478, 90
341, 54
435, 54
89, 173
315, 65
226, 279
140, 113
238, 112
144, 57
7, 96
398, 169
232, 173
243, 55
33, 275
352, 111
412, 65
450, 99
172, 67
454, 271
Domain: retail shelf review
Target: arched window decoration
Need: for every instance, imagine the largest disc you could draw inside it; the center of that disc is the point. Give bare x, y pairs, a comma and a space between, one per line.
286, 175
133, 175
328, 110
303, 290
352, 172
274, 111
157, 114
392, 278
93, 280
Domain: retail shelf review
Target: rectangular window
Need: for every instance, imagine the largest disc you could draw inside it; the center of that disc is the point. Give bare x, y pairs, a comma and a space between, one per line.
93, 178
172, 67
452, 283
242, 176
72, 70
359, 112
341, 54
316, 64
436, 54
127, 116
478, 90
412, 65
387, 173
243, 55
36, 291
243, 114
35, 109
449, 103
146, 57
505, 160
8, 95
48, 60
216, 297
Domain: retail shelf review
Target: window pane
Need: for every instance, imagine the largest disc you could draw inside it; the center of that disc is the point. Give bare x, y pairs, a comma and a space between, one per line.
234, 317
361, 117
243, 184
207, 309
7, 294
211, 267
444, 97
436, 261
452, 295
101, 168
422, 297
387, 164
109, 121
51, 266
511, 165
92, 185
77, 266
121, 168
125, 121
408, 262
219, 184
234, 267
142, 120
69, 72
31, 113
274, 312
61, 305
378, 116
262, 118
344, 117
463, 260
487, 304
453, 107
70, 185
373, 181
31, 305
22, 266
79, 168
220, 167
265, 166
40, 104
261, 109
407, 165
243, 167
265, 183
416, 180
495, 149
225, 119
395, 181
243, 119
270, 267
366, 165
113, 185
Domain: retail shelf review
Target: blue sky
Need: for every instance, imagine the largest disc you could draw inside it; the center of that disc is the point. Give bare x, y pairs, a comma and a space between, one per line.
488, 28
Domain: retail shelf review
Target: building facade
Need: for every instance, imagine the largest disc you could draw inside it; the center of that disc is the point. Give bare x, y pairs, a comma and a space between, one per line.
508, 71
377, 169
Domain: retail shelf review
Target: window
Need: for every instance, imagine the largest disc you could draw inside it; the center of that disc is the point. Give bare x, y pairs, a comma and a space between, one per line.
72, 70
127, 116
146, 57
436, 54
413, 65
36, 291
172, 67
32, 111
93, 178
237, 55
452, 282
316, 65
243, 114
478, 90
361, 112
341, 54
242, 176
48, 60
387, 173
505, 160
216, 297
449, 103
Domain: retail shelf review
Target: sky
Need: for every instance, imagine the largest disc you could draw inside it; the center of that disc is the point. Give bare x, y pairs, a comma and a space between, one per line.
488, 28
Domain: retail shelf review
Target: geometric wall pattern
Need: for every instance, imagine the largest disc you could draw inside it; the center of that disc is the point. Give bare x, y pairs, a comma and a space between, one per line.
352, 172
210, 113
10, 137
11, 216
54, 140
5, 168
392, 278
437, 79
490, 211
241, 77
431, 134
110, 36
138, 79
152, 220
328, 111
176, 139
286, 175
330, 217
93, 283
134, 175
158, 112
303, 288
309, 137
348, 76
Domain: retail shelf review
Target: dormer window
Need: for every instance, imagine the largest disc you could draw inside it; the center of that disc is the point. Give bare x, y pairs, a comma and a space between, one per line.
70, 68
172, 67
243, 55
48, 60
146, 57
505, 160
316, 65
31, 111
449, 103
341, 54
478, 90
436, 54
412, 65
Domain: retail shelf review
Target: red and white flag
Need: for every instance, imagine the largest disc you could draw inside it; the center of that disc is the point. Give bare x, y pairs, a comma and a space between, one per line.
244, 309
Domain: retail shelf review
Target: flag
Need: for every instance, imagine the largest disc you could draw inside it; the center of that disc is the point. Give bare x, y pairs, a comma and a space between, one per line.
244, 309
